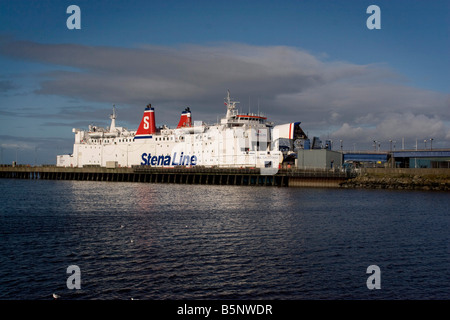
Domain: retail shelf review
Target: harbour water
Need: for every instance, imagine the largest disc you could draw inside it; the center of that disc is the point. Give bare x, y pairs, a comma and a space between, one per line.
169, 241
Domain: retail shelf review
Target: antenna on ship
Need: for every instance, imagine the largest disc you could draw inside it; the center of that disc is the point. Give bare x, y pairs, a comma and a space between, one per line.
231, 105
258, 106
113, 119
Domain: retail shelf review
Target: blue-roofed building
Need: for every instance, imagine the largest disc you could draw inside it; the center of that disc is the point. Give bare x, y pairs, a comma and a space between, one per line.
401, 159
369, 157
422, 158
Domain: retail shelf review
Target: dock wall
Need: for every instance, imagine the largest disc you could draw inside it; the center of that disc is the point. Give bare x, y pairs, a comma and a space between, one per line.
209, 176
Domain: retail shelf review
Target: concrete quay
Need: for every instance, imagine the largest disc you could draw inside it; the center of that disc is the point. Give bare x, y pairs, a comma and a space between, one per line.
193, 175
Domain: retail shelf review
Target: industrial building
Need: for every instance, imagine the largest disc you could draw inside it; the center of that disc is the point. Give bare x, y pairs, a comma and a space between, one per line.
367, 159
325, 158
319, 159
422, 158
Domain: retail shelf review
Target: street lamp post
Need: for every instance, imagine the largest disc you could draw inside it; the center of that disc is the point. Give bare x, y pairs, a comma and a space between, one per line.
431, 144
390, 153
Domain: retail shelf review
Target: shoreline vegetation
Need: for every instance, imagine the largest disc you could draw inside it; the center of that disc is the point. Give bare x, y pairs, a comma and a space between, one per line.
401, 179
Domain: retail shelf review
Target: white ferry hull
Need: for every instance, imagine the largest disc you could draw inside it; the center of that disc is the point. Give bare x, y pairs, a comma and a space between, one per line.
238, 141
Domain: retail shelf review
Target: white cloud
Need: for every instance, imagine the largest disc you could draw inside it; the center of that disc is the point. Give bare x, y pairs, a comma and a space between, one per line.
396, 127
348, 132
353, 101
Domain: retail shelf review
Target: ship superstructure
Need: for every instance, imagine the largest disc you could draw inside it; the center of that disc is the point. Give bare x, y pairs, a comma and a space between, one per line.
237, 140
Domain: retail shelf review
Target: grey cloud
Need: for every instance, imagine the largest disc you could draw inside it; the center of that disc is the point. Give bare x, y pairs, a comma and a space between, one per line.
31, 150
345, 99
60, 113
166, 74
6, 85
397, 127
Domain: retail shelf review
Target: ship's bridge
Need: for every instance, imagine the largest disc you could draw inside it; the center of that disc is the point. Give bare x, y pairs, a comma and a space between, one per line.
234, 118
249, 118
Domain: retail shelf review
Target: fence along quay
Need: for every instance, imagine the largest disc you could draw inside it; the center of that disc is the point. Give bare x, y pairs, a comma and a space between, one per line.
194, 175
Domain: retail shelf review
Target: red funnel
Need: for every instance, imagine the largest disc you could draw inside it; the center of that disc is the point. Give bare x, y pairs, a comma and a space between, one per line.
185, 119
147, 126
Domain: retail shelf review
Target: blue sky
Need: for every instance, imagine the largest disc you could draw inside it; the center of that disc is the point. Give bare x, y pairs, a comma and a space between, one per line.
315, 61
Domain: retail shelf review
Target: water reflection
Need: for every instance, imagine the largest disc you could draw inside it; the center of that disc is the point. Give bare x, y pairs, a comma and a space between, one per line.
160, 241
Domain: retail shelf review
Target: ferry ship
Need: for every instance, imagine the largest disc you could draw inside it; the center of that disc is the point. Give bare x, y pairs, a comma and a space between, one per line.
239, 140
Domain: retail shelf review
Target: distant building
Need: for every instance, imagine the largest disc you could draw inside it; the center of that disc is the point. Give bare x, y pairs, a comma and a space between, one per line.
366, 159
318, 159
422, 158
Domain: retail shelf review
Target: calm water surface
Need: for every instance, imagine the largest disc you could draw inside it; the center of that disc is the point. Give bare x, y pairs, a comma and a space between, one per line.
170, 241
